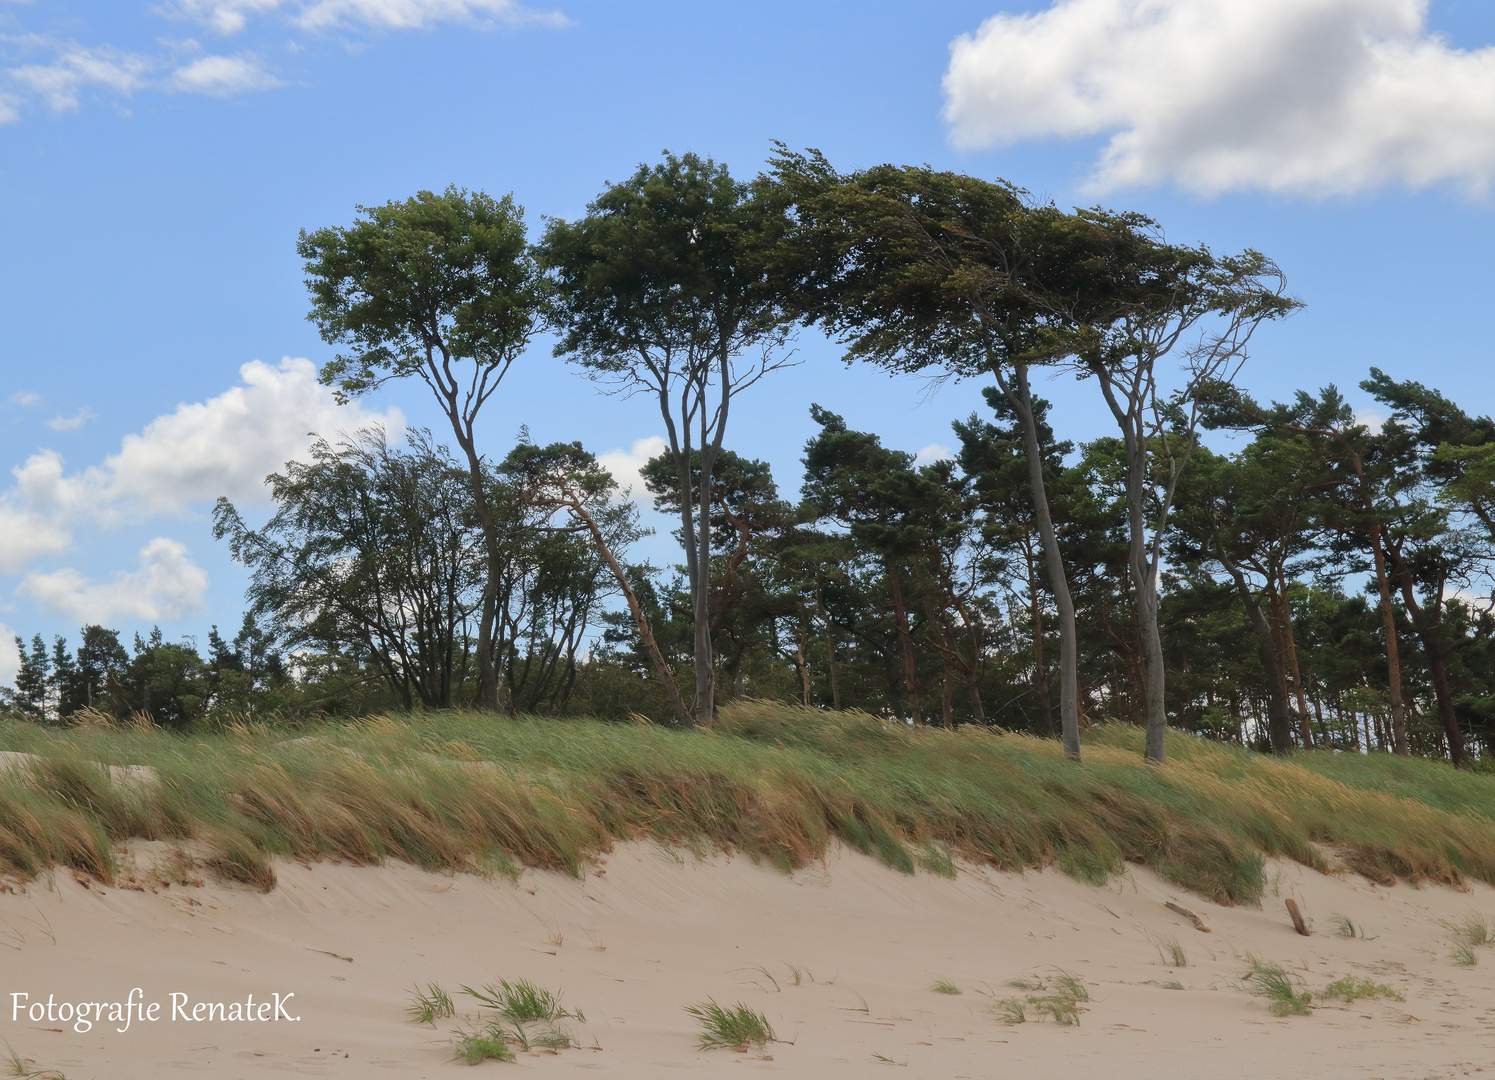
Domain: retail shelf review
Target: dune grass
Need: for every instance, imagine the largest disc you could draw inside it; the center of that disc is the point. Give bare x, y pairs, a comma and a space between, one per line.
730, 1027
472, 792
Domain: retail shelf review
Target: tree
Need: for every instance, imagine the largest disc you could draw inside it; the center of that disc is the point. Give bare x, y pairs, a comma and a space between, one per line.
664, 288
916, 269
371, 551
563, 476
440, 287
995, 458
30, 696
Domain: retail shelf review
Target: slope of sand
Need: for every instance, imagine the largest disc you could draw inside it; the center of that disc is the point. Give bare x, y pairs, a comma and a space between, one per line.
649, 931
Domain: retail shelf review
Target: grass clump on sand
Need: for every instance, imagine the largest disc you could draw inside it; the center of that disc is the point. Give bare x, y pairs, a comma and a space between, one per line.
521, 1006
476, 1047
461, 791
1346, 927
1283, 991
1170, 952
944, 986
431, 1004
736, 1028
1354, 987
1060, 996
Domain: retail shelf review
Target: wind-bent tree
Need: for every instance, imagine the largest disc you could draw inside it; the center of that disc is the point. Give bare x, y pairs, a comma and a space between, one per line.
663, 288
1155, 300
915, 269
440, 287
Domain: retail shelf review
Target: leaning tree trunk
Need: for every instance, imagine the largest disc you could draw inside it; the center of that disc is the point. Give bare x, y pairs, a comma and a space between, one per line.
1432, 646
1019, 394
1393, 650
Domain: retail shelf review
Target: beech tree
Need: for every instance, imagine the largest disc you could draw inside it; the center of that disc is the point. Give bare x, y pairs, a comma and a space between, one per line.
440, 288
663, 288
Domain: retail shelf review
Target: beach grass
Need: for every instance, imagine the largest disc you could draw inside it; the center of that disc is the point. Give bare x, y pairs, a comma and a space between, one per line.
488, 794
734, 1027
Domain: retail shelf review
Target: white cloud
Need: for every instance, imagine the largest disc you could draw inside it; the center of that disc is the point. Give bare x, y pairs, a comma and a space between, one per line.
932, 453
223, 76
25, 398
74, 68
232, 16
167, 585
71, 423
10, 656
625, 466
1320, 97
226, 445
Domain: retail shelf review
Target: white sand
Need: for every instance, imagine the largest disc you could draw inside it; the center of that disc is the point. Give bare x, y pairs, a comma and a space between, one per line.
648, 933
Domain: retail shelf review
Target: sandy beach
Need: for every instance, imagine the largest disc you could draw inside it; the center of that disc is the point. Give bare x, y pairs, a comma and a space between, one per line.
840, 957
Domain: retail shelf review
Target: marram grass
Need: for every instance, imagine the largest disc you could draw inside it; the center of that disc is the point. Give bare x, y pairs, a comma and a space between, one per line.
473, 792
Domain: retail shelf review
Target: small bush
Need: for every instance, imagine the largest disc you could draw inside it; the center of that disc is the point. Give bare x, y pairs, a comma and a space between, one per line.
730, 1028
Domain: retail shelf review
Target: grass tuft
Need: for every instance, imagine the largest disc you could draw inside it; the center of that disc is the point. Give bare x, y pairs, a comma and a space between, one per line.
1172, 984
1170, 951
943, 986
1474, 928
736, 1028
521, 1001
1012, 1011
1346, 927
1283, 991
1353, 987
478, 1047
1059, 995
431, 1004
1464, 955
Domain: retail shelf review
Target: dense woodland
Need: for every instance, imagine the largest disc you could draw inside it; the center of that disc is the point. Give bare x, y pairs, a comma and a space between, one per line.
1319, 582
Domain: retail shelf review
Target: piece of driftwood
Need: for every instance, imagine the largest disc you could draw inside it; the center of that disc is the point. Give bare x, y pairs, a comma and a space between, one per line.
1193, 917
1298, 924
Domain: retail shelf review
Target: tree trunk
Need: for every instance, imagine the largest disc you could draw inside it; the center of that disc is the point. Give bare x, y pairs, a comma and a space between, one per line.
1020, 396
1393, 650
906, 643
1040, 668
1279, 726
1432, 646
1284, 612
645, 633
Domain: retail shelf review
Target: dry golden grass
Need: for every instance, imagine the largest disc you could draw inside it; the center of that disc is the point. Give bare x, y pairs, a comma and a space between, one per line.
469, 792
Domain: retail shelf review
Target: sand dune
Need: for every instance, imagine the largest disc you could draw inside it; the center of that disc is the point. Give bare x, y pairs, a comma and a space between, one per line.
648, 932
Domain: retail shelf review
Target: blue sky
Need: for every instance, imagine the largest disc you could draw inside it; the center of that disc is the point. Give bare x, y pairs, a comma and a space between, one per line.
157, 160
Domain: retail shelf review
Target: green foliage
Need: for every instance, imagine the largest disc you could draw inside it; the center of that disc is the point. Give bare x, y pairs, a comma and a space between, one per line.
1060, 995
1170, 951
944, 986
730, 1027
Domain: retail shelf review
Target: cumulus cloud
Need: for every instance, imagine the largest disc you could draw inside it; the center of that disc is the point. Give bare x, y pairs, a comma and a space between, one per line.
1321, 97
167, 585
71, 423
232, 16
625, 466
226, 445
65, 70
74, 68
932, 453
223, 76
10, 656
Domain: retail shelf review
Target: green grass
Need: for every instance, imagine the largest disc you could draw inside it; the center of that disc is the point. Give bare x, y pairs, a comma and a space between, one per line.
431, 1004
478, 1047
734, 1028
1058, 995
777, 782
521, 1002
1170, 952
944, 986
1353, 987
1346, 927
1464, 955
1283, 991
1473, 928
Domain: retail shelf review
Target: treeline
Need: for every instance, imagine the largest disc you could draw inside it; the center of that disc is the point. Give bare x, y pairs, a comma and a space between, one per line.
1025, 582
